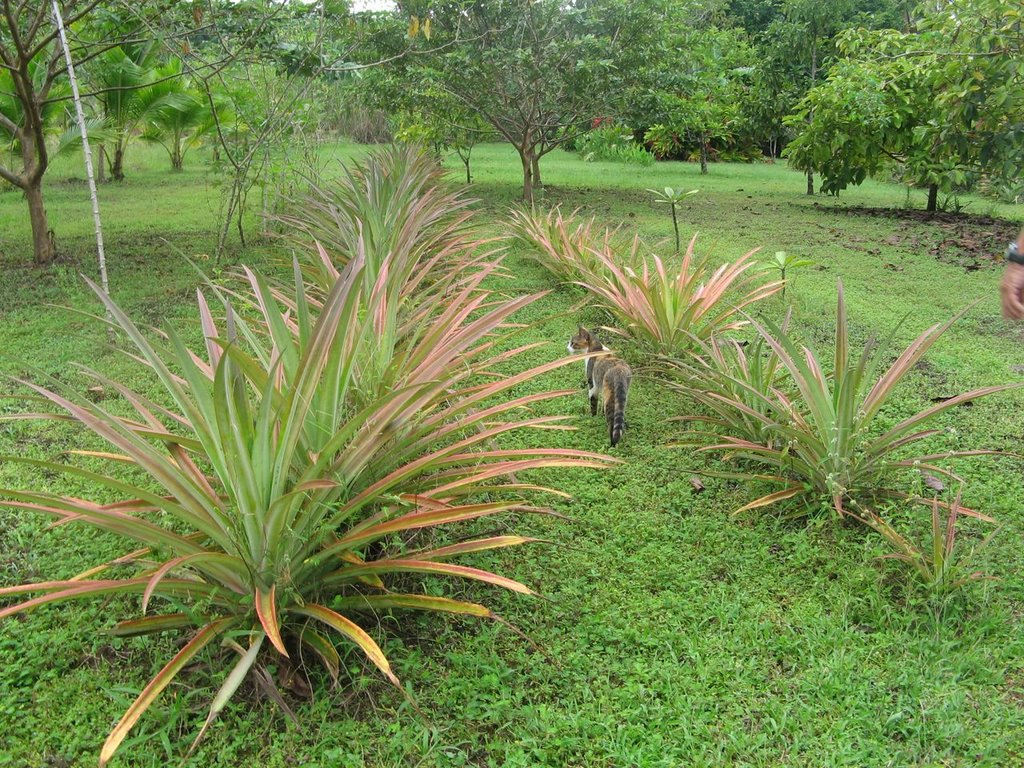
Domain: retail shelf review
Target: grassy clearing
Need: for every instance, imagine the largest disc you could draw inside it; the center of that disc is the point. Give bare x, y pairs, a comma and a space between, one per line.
682, 636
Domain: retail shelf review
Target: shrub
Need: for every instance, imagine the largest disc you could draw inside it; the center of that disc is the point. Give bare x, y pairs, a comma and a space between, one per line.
663, 141
392, 206
417, 239
667, 310
614, 145
264, 499
818, 439
736, 383
564, 247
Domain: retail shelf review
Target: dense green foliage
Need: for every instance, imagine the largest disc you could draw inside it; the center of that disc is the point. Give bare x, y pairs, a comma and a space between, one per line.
941, 105
614, 144
929, 93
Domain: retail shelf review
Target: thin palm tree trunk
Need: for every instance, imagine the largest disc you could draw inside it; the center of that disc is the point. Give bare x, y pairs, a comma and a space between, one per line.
85, 148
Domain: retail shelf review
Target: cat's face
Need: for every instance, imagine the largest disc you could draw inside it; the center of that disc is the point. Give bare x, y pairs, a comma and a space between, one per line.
580, 342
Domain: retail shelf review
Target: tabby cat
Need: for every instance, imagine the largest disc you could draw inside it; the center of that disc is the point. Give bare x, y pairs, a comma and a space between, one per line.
608, 377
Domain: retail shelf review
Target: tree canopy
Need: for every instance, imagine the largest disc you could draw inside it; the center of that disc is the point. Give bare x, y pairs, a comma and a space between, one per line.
941, 104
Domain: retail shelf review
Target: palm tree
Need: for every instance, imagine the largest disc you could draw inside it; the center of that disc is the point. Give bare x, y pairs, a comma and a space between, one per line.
126, 80
180, 117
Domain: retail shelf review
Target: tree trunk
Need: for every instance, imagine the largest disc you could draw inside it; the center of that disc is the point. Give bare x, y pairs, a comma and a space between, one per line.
241, 213
933, 198
810, 114
536, 172
31, 183
703, 156
43, 246
117, 168
526, 155
101, 176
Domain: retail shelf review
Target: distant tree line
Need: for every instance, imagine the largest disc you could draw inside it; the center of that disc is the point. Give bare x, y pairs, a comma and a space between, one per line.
930, 94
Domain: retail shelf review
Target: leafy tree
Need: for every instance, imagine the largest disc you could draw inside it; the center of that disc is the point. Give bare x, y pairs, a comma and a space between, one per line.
700, 99
32, 67
269, 68
813, 23
795, 47
864, 117
943, 102
537, 71
976, 73
457, 129
131, 87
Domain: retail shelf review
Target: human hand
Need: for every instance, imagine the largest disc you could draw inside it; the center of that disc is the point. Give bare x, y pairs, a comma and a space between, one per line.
1012, 290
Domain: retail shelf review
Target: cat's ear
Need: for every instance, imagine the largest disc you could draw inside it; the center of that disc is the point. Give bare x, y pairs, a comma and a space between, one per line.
584, 332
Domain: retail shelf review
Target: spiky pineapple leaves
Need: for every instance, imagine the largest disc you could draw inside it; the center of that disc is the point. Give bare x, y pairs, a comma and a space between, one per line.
315, 425
813, 432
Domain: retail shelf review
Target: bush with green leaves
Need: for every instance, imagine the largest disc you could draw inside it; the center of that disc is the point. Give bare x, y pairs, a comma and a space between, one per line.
664, 141
612, 144
817, 436
271, 490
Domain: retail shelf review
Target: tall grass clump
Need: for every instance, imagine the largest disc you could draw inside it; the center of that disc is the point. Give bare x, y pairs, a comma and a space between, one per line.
270, 491
939, 565
814, 432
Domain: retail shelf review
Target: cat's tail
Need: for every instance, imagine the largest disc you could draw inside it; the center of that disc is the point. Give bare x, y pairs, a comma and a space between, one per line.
618, 421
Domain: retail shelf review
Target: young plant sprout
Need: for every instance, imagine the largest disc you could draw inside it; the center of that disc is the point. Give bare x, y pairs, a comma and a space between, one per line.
783, 262
673, 198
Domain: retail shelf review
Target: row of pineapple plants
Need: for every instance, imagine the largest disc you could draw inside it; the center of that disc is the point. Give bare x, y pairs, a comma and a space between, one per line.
272, 491
768, 405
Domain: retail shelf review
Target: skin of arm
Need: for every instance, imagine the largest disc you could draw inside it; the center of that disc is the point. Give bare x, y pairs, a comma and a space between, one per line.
1011, 290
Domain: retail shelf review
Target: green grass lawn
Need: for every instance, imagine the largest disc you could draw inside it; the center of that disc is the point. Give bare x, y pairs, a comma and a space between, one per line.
674, 634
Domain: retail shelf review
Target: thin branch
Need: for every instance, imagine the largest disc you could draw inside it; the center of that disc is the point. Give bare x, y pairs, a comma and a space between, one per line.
12, 177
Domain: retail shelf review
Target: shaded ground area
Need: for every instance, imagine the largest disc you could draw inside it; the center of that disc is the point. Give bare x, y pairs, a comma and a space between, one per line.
966, 240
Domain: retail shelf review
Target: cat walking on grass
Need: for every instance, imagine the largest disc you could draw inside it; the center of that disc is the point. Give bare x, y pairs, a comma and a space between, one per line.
608, 378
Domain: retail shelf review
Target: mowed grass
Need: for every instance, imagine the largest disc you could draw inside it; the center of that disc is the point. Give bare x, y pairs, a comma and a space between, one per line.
673, 633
